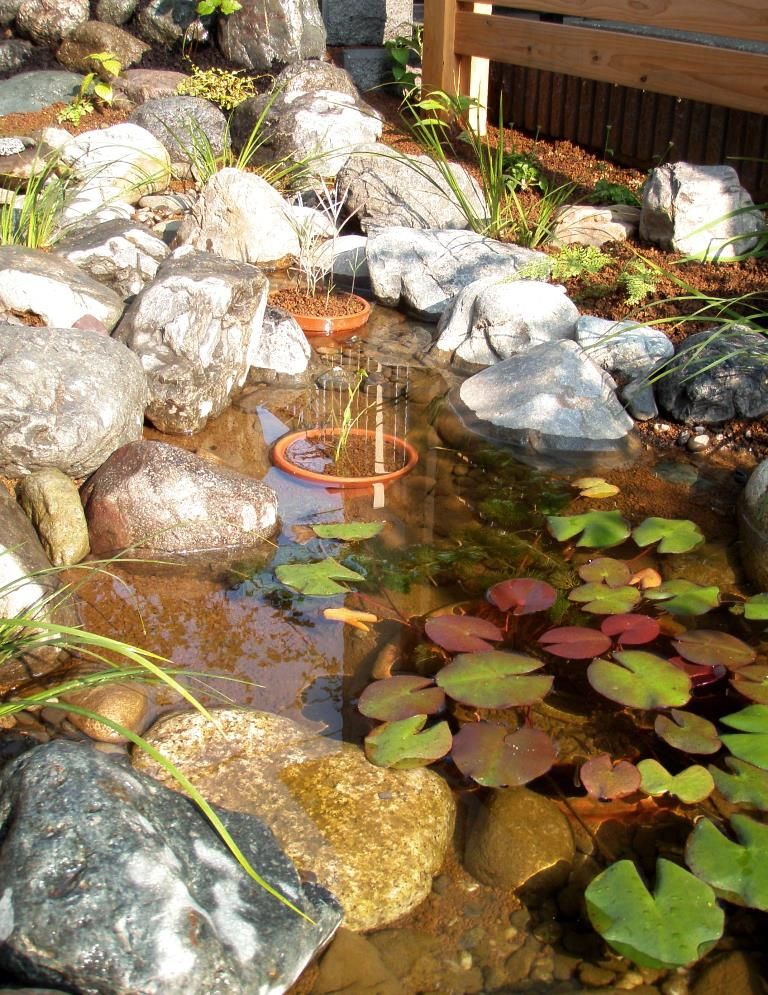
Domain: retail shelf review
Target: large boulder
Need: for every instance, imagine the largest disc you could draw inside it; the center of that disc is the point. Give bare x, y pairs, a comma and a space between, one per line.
264, 32
189, 127
753, 526
150, 495
38, 89
94, 36
623, 347
46, 22
195, 328
701, 210
374, 837
165, 22
423, 270
72, 410
142, 895
282, 350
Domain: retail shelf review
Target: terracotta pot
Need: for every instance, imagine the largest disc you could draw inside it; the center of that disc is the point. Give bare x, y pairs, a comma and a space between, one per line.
337, 325
281, 460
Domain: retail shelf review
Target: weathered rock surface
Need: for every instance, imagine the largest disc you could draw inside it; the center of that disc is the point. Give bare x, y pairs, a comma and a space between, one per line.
54, 289
582, 224
163, 22
375, 21
115, 11
493, 319
195, 329
35, 90
735, 971
122, 255
15, 53
282, 346
46, 22
150, 495
264, 32
753, 526
138, 85
68, 399
94, 36
141, 895
623, 347
124, 702
351, 964
423, 270
52, 503
386, 188
374, 837
183, 124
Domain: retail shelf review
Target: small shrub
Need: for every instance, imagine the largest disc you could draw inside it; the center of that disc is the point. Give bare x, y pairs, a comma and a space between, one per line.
92, 89
523, 171
576, 260
222, 87
606, 192
638, 281
404, 50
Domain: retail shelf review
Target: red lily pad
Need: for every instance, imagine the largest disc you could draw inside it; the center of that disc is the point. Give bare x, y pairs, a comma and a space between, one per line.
462, 633
687, 732
631, 630
605, 779
494, 680
639, 680
699, 674
614, 573
401, 697
495, 757
711, 647
574, 642
523, 594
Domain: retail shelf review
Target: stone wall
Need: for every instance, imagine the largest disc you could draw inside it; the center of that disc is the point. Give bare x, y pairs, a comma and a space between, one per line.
357, 30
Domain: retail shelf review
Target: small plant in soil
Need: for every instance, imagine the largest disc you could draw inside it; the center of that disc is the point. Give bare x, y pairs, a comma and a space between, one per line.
92, 89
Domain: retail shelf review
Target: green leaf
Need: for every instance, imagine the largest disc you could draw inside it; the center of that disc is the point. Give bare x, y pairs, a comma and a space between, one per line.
595, 487
614, 573
348, 532
603, 600
712, 647
597, 528
674, 535
683, 597
640, 680
316, 579
739, 871
401, 697
751, 743
687, 732
756, 608
206, 7
494, 680
103, 91
403, 745
673, 927
497, 758
691, 785
752, 682
745, 785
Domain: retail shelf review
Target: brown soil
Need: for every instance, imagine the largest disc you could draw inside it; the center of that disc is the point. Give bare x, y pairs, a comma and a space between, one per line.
320, 305
357, 458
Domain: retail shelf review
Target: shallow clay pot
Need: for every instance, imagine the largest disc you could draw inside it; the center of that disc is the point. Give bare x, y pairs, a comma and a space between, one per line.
334, 326
280, 457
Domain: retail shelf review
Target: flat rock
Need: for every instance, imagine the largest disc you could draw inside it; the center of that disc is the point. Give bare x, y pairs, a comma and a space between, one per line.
150, 495
52, 503
624, 347
139, 85
36, 90
584, 224
352, 964
142, 895
183, 124
265, 32
374, 837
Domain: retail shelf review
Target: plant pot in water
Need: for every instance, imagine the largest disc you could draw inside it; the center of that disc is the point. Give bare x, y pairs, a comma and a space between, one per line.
324, 314
368, 457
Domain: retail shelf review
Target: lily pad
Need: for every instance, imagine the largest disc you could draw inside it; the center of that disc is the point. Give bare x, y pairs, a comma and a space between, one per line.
595, 528
573, 642
639, 680
401, 697
523, 594
630, 629
348, 531
318, 579
494, 680
738, 871
462, 633
688, 732
605, 779
674, 535
683, 597
699, 674
605, 569
711, 647
403, 745
595, 487
756, 608
751, 742
691, 785
752, 682
745, 785
603, 600
673, 927
495, 757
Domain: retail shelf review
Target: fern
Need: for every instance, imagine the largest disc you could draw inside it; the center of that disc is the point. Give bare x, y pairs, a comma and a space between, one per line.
638, 282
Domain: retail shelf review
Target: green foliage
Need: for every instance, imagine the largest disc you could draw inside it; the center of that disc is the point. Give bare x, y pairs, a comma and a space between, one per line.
737, 871
674, 535
595, 528
223, 87
744, 785
401, 697
684, 597
523, 171
638, 281
640, 680
577, 260
405, 49
403, 744
712, 647
348, 531
691, 785
92, 88
32, 219
497, 758
600, 599
688, 732
751, 742
319, 580
606, 192
494, 679
756, 608
225, 7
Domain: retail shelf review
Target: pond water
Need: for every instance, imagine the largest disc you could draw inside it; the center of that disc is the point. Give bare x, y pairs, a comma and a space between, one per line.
468, 515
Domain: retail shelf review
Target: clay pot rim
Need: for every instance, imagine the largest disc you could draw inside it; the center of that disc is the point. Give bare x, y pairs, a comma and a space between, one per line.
329, 325
280, 448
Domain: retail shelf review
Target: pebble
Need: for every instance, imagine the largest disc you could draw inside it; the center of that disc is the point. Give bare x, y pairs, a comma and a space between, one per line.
631, 980
677, 984
591, 974
682, 439
465, 960
698, 443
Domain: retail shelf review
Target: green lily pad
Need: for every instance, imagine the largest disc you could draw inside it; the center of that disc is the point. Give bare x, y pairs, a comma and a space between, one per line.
674, 535
596, 528
462, 633
710, 647
687, 732
673, 927
495, 757
595, 487
348, 531
738, 871
605, 569
751, 742
745, 785
603, 600
318, 579
756, 608
403, 744
494, 680
752, 682
401, 697
691, 785
640, 680
606, 780
523, 594
683, 597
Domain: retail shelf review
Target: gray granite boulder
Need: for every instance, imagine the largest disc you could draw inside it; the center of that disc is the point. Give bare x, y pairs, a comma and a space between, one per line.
184, 125
716, 375
47, 22
282, 348
423, 270
68, 398
194, 329
164, 22
150, 495
94, 36
52, 503
691, 209
122, 255
38, 89
375, 21
386, 188
493, 319
265, 32
624, 347
753, 526
15, 53
142, 895
115, 11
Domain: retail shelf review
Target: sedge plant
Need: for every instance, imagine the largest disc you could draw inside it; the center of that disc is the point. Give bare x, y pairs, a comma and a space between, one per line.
31, 219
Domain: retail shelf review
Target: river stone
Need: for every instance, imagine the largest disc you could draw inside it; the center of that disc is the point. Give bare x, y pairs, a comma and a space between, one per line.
71, 411
164, 22
14, 54
423, 270
94, 36
195, 329
734, 973
623, 347
142, 895
46, 22
124, 702
520, 839
491, 320
584, 224
182, 124
51, 501
264, 32
150, 495
716, 376
115, 11
352, 966
138, 85
374, 837
36, 90
753, 526
387, 188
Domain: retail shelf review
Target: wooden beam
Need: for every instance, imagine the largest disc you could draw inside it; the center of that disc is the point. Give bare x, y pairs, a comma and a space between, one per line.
681, 69
441, 68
